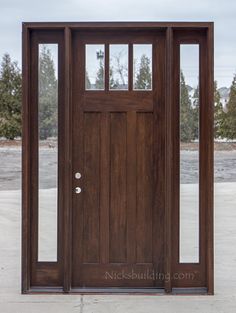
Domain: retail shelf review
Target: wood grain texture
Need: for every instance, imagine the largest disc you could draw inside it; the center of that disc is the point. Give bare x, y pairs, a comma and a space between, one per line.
131, 189
65, 181
169, 174
118, 196
91, 187
26, 139
144, 187
104, 186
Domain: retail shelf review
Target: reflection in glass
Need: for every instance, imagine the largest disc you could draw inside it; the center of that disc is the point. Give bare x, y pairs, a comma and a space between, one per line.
94, 73
118, 69
189, 154
47, 154
142, 66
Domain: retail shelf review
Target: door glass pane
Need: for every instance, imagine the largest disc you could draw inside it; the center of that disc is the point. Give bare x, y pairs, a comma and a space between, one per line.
142, 67
189, 154
118, 69
94, 72
47, 154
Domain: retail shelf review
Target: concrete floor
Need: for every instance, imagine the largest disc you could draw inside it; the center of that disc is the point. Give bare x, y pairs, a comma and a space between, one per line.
224, 300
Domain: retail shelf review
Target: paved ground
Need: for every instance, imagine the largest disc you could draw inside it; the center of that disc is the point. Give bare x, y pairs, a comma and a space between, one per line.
11, 301
10, 167
224, 301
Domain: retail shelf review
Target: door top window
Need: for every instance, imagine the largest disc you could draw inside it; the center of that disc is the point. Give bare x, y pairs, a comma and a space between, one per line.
128, 65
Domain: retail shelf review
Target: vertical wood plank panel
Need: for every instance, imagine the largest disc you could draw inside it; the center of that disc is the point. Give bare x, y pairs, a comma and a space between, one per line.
90, 188
118, 218
144, 187
131, 186
104, 186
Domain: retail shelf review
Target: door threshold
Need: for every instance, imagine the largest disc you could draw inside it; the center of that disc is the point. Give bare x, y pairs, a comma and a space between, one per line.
94, 290
118, 290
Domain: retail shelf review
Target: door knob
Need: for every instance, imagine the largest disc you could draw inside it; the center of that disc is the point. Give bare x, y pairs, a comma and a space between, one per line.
78, 190
77, 175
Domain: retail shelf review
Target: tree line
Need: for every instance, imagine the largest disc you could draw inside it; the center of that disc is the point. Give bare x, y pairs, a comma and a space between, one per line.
11, 95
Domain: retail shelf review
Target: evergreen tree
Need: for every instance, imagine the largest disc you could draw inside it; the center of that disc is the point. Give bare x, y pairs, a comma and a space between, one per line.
229, 121
10, 98
186, 112
219, 114
48, 95
99, 82
196, 113
144, 76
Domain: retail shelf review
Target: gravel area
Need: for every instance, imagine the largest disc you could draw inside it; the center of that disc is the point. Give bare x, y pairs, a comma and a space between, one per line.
10, 167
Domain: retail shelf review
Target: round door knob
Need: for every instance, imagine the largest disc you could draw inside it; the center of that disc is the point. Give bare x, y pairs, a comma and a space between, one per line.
77, 175
78, 190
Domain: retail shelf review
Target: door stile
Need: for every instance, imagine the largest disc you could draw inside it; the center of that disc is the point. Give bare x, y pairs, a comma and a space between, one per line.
77, 154
67, 192
209, 191
26, 157
158, 155
168, 156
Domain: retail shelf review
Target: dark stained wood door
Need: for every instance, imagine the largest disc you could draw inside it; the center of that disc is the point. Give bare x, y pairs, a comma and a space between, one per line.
118, 148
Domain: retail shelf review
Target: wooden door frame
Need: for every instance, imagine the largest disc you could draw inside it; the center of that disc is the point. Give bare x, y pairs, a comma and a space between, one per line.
176, 33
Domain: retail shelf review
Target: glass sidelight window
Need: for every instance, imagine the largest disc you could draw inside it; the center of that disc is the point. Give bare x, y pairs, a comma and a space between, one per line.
47, 151
189, 153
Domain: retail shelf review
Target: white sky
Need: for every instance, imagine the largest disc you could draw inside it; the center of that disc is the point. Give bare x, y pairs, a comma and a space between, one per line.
223, 13
189, 63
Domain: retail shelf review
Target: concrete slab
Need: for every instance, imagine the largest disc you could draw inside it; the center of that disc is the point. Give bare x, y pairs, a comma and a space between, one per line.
224, 301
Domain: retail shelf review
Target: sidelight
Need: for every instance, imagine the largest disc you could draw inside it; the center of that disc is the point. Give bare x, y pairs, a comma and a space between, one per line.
189, 153
47, 151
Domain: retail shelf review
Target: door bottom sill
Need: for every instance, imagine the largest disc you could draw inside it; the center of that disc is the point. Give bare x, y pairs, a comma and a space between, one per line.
119, 290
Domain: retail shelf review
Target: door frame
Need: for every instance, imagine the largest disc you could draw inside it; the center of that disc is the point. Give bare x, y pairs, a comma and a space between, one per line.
58, 274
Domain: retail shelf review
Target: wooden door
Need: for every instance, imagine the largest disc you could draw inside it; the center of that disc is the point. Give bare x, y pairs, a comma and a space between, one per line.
118, 146
119, 224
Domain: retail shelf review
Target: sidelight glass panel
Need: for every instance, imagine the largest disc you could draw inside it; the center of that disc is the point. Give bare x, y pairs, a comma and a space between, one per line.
118, 67
47, 151
95, 71
189, 153
142, 66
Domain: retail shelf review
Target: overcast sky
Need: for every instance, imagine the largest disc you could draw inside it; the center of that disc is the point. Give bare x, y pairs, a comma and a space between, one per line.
223, 13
